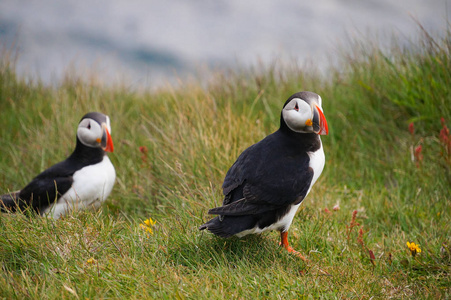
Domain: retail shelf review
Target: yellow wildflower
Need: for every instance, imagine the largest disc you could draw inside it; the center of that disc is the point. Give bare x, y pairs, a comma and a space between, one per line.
150, 222
91, 260
147, 225
146, 228
414, 248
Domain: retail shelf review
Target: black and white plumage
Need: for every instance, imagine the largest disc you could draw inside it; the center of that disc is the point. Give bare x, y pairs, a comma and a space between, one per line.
265, 186
83, 180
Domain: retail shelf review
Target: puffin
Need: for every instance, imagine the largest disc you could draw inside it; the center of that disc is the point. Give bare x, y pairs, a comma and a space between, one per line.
83, 180
265, 186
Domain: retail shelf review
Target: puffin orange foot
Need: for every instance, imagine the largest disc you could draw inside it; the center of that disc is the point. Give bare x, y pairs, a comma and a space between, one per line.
297, 253
284, 243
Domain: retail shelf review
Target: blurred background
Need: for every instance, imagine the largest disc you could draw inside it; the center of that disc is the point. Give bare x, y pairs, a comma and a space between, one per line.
151, 42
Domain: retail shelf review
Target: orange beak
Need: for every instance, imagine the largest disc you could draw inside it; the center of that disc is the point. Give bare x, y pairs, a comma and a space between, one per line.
107, 141
319, 121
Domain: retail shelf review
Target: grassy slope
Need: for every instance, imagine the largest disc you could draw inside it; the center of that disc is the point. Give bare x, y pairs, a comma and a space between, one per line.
192, 136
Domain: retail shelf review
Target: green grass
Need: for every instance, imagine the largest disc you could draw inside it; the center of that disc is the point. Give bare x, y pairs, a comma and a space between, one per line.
193, 134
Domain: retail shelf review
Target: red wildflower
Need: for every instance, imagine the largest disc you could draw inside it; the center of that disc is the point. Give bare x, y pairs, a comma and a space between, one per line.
360, 237
143, 150
418, 155
372, 254
372, 257
354, 215
444, 135
411, 129
445, 139
353, 223
418, 151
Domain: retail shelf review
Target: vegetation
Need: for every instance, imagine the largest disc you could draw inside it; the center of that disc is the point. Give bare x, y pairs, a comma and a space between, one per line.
385, 184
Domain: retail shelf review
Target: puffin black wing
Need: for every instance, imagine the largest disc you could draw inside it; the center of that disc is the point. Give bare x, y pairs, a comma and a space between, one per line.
43, 190
8, 201
265, 177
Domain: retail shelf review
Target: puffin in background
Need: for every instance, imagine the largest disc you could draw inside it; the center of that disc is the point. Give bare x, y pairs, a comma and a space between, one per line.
84, 179
266, 185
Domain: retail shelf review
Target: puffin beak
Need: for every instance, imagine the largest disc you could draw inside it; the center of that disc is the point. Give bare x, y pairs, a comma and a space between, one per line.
319, 121
107, 141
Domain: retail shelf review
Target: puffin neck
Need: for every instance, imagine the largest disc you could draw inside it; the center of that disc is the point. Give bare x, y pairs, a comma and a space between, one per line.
87, 155
283, 126
299, 138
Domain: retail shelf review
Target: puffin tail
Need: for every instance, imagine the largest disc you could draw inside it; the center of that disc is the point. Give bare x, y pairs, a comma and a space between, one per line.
227, 226
216, 227
8, 202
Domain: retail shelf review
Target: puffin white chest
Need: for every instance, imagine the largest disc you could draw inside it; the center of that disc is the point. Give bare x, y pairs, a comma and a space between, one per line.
317, 161
91, 186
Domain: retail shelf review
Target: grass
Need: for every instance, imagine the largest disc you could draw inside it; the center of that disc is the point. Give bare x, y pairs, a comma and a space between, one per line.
173, 147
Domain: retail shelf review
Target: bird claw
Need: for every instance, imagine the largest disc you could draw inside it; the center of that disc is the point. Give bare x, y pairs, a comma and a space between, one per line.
284, 243
292, 251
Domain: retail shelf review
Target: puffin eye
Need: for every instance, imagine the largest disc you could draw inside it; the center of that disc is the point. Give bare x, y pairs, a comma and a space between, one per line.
296, 107
89, 126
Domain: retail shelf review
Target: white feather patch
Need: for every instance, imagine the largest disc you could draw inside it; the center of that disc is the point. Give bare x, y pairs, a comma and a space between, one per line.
91, 186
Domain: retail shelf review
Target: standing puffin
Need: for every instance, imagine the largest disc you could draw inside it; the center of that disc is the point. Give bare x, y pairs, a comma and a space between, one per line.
266, 185
84, 179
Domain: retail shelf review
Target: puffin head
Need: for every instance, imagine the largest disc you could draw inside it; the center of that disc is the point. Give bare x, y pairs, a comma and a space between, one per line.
94, 131
302, 113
